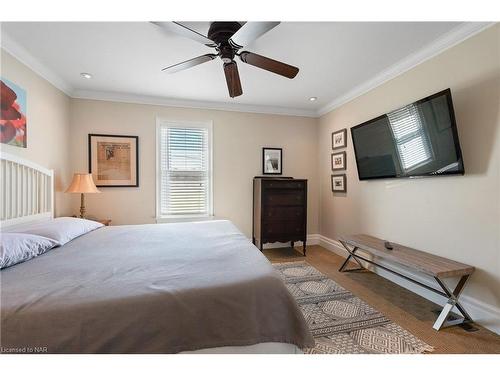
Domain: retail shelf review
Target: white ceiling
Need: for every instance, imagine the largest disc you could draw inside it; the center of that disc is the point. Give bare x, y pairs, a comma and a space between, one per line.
126, 58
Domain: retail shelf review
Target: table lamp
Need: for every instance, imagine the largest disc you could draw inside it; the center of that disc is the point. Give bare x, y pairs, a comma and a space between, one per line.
82, 183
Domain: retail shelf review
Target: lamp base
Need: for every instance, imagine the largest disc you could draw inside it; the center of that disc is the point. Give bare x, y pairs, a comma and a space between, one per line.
82, 206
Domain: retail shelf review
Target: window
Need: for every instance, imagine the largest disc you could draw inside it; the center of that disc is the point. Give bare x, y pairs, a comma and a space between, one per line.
412, 143
184, 179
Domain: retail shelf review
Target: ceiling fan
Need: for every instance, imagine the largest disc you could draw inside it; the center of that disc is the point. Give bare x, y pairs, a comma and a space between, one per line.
228, 38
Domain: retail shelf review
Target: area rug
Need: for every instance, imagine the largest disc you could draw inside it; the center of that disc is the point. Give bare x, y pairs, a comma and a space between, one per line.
340, 322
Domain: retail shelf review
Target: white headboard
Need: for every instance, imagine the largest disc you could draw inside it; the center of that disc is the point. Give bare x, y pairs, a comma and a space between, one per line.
26, 191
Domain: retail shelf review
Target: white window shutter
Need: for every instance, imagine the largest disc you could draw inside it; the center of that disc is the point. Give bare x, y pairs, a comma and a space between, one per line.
184, 171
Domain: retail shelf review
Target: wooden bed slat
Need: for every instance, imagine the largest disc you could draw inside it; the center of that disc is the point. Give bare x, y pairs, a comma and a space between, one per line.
26, 190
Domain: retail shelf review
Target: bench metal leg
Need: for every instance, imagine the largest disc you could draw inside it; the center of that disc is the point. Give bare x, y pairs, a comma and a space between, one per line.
442, 320
351, 255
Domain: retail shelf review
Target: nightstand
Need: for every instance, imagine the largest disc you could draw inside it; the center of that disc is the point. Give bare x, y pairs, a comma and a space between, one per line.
106, 222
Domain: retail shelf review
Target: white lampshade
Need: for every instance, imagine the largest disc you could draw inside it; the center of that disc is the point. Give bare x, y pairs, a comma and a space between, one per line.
82, 183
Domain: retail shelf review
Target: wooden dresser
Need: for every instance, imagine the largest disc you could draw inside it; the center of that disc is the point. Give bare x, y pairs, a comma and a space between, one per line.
279, 210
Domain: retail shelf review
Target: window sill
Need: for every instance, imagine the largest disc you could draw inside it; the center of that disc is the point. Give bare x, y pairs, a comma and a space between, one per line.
183, 218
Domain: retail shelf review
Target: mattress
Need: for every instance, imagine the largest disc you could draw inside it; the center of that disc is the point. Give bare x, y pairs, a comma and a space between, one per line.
155, 288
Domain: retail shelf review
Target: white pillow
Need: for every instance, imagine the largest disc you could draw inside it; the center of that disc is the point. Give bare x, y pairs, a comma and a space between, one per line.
61, 229
20, 247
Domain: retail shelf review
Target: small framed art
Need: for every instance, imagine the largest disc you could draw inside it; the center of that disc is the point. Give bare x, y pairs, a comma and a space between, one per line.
339, 183
339, 161
272, 162
339, 139
114, 160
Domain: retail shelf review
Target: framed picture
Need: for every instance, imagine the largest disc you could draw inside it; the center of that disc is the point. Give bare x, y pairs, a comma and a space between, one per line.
13, 114
339, 161
339, 139
272, 160
339, 183
114, 160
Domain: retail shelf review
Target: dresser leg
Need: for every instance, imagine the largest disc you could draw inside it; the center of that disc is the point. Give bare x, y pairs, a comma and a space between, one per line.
304, 247
293, 244
261, 246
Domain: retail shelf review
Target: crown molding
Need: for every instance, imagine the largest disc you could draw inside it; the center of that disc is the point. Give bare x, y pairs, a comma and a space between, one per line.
21, 54
446, 41
170, 102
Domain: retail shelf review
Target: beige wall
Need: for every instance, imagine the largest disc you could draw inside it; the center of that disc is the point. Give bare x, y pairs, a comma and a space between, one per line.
47, 126
456, 217
238, 139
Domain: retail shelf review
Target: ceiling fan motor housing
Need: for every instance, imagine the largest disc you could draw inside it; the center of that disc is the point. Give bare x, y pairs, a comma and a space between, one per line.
220, 32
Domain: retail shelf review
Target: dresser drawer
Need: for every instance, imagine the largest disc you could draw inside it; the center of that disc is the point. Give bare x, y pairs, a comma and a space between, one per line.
284, 184
283, 213
280, 229
295, 227
284, 198
274, 229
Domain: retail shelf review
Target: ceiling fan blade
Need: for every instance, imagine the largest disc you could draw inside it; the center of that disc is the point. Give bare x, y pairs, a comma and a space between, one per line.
271, 65
189, 63
185, 31
249, 32
233, 79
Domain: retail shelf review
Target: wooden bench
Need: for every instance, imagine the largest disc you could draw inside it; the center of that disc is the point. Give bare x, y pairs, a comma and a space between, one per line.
429, 264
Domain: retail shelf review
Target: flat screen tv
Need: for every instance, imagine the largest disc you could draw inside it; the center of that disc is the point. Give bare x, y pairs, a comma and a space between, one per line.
417, 140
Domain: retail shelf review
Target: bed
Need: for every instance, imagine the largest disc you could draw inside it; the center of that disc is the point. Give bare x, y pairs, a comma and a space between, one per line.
154, 288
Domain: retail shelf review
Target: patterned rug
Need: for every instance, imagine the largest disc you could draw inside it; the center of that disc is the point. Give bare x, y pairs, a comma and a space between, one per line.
340, 322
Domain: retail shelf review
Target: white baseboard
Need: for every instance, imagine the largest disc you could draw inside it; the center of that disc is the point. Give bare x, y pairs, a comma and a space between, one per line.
482, 313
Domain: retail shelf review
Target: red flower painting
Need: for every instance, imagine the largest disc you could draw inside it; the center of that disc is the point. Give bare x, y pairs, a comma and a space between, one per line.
12, 114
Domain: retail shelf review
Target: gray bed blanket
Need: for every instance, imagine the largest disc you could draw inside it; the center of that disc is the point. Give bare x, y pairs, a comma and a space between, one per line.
157, 288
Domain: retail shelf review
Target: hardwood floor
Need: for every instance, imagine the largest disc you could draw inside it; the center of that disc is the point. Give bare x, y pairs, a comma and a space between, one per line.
409, 310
